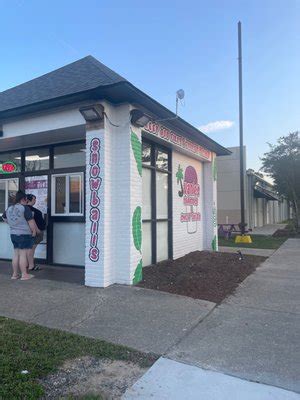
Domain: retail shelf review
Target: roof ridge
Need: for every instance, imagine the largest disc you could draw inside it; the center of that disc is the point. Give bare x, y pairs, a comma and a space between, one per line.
98, 63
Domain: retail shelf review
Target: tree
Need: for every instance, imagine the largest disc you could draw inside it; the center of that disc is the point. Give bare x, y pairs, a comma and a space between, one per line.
282, 163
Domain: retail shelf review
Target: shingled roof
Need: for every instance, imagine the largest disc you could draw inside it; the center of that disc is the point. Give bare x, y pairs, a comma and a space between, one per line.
82, 75
88, 79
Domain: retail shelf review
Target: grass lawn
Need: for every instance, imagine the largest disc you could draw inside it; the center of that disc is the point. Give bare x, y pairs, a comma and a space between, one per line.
258, 242
41, 351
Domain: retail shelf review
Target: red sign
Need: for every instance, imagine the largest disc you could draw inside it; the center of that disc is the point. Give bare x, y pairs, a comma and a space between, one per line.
170, 136
8, 167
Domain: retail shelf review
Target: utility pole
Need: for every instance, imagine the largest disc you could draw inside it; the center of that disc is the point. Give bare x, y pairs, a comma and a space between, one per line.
242, 192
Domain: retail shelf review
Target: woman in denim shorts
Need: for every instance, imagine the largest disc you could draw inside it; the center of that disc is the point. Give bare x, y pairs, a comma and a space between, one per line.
22, 232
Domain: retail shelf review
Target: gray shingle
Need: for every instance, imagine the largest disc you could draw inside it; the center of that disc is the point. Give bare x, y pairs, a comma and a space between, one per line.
79, 76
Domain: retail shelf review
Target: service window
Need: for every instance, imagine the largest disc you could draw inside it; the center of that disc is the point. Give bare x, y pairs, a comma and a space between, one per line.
67, 194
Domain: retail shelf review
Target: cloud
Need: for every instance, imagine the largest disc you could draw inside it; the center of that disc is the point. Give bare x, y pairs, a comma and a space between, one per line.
216, 126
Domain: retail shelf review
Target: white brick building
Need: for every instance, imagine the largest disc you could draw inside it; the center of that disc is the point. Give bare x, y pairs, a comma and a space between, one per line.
117, 195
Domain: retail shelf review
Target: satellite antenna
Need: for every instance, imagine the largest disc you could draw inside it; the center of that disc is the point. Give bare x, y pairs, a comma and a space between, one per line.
179, 96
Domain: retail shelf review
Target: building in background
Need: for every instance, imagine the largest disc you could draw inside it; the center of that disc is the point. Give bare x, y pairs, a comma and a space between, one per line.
120, 188
263, 205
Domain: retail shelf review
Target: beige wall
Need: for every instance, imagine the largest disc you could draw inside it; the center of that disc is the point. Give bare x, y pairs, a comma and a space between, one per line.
228, 186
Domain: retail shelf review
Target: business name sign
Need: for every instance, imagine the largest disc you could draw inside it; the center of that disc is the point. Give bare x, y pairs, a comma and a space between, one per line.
171, 137
8, 167
95, 182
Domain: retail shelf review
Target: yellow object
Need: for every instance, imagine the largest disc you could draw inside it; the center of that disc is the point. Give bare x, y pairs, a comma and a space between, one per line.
243, 239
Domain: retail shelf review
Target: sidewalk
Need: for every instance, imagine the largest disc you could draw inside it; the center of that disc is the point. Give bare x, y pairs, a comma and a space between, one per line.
251, 252
267, 229
254, 335
168, 379
147, 320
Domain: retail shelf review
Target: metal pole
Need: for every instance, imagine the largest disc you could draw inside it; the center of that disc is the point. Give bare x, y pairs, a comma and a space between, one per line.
242, 192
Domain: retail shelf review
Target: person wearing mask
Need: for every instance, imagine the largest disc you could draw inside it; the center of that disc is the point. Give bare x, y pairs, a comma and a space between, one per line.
22, 231
41, 225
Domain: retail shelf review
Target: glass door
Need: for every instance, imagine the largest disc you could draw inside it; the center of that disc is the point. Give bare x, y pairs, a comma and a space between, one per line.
38, 186
156, 209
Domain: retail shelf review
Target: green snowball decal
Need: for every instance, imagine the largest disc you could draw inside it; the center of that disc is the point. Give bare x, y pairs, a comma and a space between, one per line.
214, 243
137, 228
138, 275
136, 146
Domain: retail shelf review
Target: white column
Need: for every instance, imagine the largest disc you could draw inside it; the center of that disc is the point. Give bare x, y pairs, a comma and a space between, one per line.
210, 205
114, 254
125, 182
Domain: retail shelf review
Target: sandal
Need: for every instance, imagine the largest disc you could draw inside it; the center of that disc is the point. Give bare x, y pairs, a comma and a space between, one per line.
15, 277
29, 276
35, 268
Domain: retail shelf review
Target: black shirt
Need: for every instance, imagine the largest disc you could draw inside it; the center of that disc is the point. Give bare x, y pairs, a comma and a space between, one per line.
38, 217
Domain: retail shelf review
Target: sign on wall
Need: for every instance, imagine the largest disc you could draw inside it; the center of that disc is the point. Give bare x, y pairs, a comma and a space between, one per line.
189, 192
38, 186
171, 137
8, 167
95, 182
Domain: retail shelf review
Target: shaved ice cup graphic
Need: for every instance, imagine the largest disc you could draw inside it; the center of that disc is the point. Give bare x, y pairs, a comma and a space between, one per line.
191, 193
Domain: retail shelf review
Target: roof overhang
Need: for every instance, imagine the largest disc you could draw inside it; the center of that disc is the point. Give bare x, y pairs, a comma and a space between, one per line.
264, 194
119, 93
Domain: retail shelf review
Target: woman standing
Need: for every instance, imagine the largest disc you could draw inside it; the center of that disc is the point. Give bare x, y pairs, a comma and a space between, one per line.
22, 232
41, 225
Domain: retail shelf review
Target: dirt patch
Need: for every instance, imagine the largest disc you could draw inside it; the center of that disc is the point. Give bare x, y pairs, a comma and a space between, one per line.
90, 376
201, 274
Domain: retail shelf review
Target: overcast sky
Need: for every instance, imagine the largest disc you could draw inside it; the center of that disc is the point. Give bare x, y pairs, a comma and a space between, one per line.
161, 46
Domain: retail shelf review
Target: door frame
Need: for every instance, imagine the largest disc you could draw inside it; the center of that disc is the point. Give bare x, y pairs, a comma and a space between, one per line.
156, 146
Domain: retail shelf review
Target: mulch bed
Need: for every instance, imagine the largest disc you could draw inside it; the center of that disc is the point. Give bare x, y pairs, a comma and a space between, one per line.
201, 274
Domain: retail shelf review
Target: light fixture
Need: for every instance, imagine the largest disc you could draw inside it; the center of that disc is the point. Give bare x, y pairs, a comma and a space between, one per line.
92, 113
138, 118
33, 158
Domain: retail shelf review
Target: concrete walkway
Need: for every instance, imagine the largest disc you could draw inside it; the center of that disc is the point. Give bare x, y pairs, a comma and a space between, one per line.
168, 379
144, 319
267, 229
254, 335
251, 252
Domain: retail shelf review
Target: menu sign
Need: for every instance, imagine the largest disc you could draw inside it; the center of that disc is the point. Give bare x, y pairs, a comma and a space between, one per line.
38, 186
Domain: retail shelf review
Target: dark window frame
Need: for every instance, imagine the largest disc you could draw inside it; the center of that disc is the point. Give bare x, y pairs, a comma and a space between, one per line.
154, 146
49, 172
